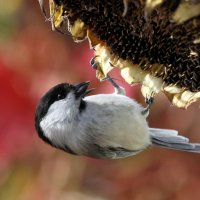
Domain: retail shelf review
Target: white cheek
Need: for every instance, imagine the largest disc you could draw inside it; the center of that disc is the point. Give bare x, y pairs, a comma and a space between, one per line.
52, 123
58, 122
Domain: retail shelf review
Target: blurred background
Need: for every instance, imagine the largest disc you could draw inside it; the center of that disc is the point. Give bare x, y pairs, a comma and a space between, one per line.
33, 59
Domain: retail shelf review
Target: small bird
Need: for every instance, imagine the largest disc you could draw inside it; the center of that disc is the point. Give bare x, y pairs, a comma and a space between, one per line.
102, 126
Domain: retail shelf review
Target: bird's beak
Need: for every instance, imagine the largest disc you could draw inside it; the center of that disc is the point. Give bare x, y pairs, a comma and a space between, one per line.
81, 89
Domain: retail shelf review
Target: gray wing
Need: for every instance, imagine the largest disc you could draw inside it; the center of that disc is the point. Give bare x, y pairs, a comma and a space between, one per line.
111, 152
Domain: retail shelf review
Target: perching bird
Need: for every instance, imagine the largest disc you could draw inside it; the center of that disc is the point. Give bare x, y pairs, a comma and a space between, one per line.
104, 126
152, 42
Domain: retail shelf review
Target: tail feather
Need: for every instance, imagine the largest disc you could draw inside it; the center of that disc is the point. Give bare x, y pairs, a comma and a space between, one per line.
170, 139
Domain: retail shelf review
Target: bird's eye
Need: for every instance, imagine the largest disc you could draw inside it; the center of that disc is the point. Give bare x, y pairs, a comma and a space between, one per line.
60, 96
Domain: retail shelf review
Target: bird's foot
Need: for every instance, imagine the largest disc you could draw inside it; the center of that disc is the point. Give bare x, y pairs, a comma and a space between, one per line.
118, 89
149, 101
93, 62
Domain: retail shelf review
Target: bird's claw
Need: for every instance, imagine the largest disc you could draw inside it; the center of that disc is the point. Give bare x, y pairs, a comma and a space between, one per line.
149, 101
93, 62
118, 89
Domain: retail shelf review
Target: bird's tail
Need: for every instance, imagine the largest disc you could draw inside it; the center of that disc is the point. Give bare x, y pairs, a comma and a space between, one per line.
170, 139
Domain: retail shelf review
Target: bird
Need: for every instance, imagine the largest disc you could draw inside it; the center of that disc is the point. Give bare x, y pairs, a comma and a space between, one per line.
152, 42
101, 126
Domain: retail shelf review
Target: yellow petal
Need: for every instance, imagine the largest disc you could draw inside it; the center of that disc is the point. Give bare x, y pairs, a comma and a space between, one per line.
56, 12
186, 11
